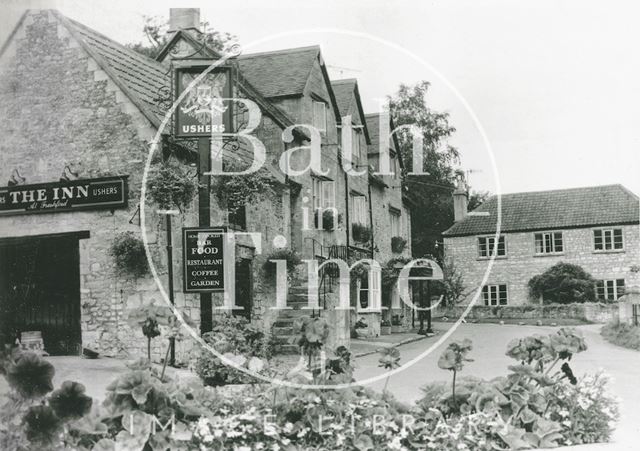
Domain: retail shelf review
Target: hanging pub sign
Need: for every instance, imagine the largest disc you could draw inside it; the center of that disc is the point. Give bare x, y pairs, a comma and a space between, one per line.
89, 194
203, 259
206, 108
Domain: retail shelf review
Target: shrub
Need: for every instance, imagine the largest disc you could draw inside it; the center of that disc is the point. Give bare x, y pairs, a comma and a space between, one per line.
170, 186
239, 341
129, 254
622, 334
234, 191
398, 244
290, 256
361, 233
563, 283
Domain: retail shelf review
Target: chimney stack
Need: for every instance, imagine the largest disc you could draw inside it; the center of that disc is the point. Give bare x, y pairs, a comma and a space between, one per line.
460, 202
184, 19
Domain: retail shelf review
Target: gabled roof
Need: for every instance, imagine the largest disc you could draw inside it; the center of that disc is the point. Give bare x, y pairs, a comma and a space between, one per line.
201, 51
558, 209
285, 73
373, 126
281, 72
142, 79
345, 91
146, 81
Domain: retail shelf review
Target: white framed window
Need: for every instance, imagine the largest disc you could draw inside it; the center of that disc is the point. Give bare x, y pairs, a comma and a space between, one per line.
548, 243
359, 210
609, 290
396, 223
608, 240
486, 244
368, 291
319, 115
495, 294
323, 193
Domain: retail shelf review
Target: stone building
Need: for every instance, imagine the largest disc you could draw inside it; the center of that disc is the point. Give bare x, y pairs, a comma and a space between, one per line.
594, 227
79, 107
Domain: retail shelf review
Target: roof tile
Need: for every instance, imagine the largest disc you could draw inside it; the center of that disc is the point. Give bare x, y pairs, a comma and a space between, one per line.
557, 209
281, 72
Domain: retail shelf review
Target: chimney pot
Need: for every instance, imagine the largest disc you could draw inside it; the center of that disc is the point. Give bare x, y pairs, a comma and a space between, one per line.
184, 19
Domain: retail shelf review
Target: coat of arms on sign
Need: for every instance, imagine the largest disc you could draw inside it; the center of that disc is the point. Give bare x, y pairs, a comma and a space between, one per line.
204, 102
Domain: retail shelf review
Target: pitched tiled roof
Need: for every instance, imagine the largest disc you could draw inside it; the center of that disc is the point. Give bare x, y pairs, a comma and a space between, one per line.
144, 78
281, 72
343, 90
146, 81
557, 209
373, 127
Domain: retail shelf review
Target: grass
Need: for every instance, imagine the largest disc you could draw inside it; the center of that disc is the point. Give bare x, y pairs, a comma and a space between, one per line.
622, 334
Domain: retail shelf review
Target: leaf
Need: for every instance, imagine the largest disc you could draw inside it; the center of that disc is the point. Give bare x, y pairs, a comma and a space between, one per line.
140, 393
256, 364
363, 443
105, 444
238, 359
129, 442
447, 360
515, 438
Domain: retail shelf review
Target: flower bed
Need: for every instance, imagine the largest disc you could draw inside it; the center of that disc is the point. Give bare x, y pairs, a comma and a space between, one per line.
535, 405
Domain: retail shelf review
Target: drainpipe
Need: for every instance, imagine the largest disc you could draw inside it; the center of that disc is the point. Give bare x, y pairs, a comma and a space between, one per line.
346, 215
370, 216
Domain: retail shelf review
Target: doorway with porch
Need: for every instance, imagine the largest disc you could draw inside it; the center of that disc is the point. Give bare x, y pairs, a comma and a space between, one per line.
40, 290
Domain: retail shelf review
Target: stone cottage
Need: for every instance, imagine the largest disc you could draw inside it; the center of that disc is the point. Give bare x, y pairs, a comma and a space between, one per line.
81, 111
594, 227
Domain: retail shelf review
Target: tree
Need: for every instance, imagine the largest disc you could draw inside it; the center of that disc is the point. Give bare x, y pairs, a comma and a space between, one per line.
563, 283
430, 192
477, 198
155, 30
452, 287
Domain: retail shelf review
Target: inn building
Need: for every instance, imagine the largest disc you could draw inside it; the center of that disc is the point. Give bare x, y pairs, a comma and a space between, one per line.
80, 115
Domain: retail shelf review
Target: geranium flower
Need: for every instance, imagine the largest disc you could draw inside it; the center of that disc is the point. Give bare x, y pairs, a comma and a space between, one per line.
31, 376
389, 358
42, 425
69, 401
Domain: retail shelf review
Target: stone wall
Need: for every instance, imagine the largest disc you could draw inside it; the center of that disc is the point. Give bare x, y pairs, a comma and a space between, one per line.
592, 312
59, 108
521, 264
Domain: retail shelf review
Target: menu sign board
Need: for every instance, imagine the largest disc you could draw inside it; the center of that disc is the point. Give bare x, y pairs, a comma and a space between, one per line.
206, 108
203, 259
88, 194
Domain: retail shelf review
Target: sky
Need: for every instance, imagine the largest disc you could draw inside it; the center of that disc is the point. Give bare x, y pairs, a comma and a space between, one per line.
553, 83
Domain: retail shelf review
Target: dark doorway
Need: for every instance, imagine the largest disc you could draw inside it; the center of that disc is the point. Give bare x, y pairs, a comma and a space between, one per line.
244, 288
40, 291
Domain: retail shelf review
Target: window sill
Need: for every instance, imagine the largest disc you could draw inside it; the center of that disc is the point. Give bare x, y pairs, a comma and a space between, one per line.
550, 254
610, 251
500, 257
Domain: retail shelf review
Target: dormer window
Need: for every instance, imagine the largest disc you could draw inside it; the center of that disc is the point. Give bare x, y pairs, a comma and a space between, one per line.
320, 115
